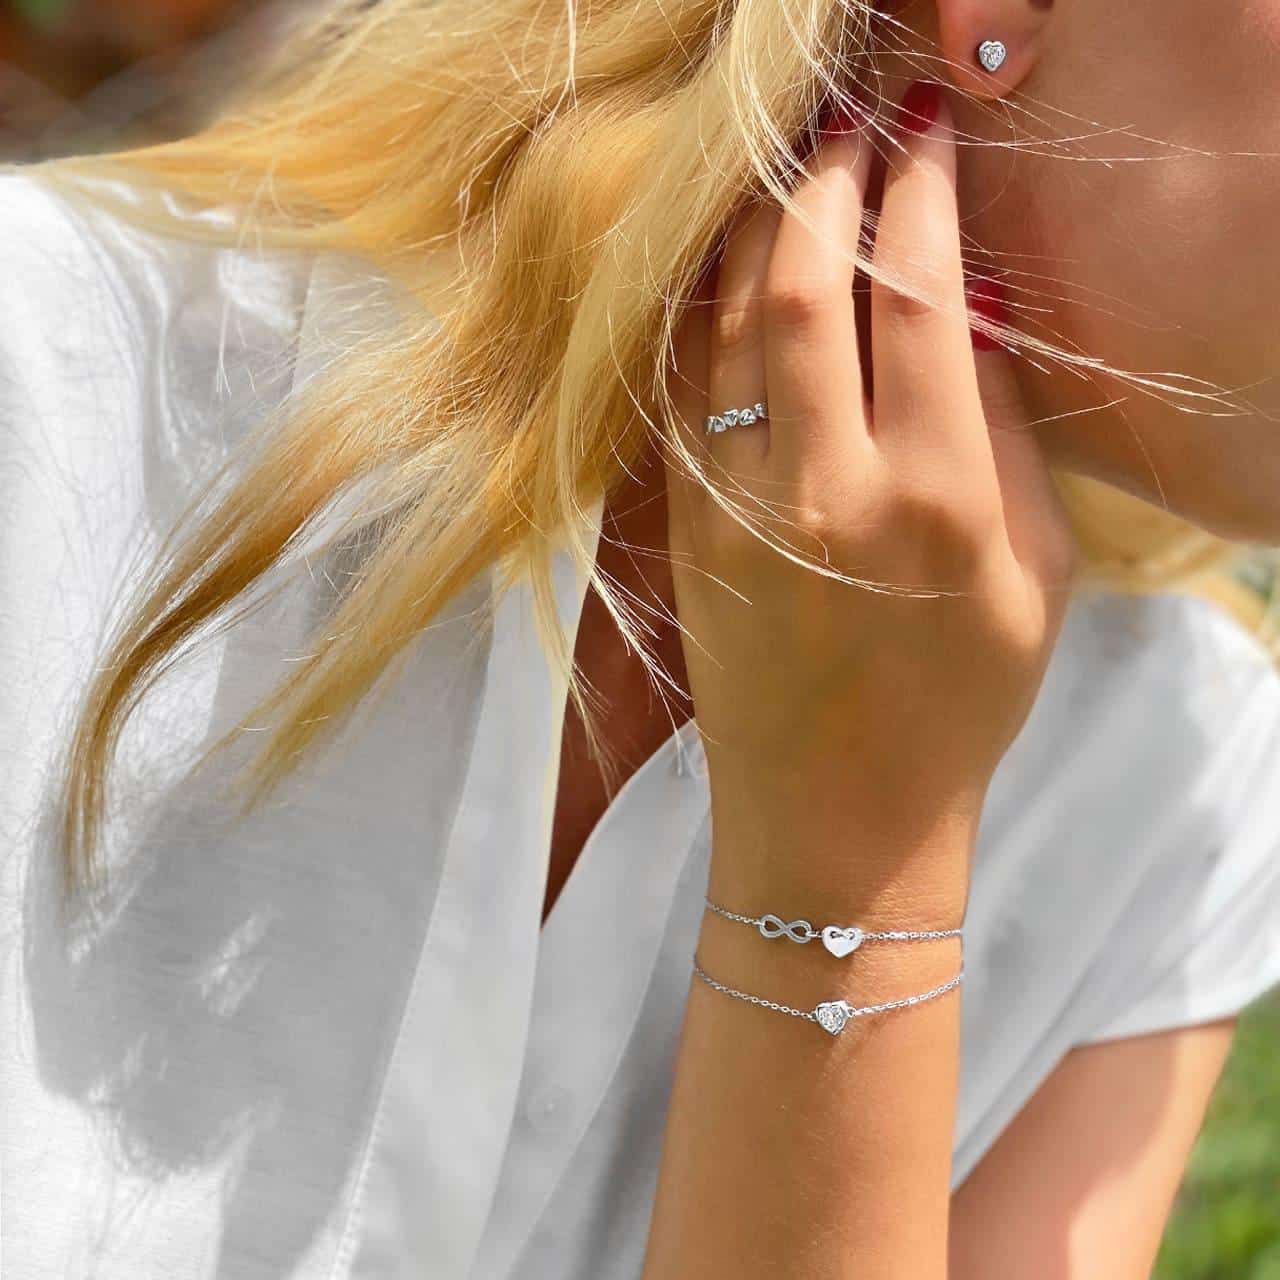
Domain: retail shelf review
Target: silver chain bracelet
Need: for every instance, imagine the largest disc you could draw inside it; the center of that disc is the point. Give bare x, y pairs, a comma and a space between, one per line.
839, 940
830, 1015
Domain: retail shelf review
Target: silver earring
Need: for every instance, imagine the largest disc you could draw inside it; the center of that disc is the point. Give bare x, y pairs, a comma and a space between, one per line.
991, 54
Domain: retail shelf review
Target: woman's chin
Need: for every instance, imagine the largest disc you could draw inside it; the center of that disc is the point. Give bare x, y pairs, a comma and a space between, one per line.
1244, 509
1223, 514
1260, 527
1239, 509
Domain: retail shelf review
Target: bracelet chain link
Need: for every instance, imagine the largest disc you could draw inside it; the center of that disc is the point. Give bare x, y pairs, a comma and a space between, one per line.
839, 939
831, 1015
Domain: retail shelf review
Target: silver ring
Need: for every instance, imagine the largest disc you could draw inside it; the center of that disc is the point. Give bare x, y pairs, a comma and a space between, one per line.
737, 418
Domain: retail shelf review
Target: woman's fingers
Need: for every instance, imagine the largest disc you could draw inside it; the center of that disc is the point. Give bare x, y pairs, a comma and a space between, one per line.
928, 419
737, 377
1035, 517
776, 322
816, 398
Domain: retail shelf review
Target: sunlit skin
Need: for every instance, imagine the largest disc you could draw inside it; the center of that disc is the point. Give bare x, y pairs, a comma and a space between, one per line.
1163, 262
1167, 264
1113, 181
1157, 267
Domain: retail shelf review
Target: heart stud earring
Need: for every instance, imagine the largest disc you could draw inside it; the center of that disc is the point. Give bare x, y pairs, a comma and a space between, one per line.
991, 54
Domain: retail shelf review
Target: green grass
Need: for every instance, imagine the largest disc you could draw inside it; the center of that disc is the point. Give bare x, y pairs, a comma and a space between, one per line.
1226, 1225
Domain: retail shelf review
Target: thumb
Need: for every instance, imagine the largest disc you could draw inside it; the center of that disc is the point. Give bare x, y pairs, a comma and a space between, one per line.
1036, 519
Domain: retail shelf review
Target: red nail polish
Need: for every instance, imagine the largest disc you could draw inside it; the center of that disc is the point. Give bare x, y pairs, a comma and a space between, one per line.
847, 116
986, 298
919, 107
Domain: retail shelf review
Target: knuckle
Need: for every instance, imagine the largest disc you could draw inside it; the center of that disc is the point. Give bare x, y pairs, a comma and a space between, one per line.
812, 518
737, 325
906, 300
956, 529
809, 526
795, 303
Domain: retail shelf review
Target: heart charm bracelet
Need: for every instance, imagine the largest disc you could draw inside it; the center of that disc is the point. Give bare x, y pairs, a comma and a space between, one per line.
839, 940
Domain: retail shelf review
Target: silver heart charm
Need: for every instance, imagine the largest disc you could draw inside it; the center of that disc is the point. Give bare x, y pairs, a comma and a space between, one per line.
841, 942
832, 1016
992, 53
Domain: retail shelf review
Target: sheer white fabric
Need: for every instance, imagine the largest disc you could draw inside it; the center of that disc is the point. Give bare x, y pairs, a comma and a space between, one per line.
330, 1040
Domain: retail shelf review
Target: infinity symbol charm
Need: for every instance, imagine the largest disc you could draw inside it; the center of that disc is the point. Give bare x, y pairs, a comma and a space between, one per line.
797, 930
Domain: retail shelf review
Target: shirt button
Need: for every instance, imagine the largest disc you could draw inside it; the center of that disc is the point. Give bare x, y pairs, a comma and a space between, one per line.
546, 1107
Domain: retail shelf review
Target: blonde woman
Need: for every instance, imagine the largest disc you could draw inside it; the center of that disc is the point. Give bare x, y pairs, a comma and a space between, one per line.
391, 473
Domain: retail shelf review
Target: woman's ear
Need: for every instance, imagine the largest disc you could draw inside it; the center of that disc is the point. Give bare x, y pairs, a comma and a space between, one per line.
967, 26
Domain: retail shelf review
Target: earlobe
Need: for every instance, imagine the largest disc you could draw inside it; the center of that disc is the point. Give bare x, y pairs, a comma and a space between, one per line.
989, 46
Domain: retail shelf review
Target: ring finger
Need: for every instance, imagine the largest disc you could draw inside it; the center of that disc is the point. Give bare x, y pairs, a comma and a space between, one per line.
737, 371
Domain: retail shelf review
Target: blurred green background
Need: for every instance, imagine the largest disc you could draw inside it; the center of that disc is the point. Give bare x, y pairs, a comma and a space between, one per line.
1227, 1222
85, 74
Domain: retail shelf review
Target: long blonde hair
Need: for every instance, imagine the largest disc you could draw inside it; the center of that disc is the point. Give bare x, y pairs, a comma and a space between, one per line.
550, 181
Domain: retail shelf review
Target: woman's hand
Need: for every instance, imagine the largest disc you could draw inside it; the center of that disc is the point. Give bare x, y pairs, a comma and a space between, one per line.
851, 733
815, 695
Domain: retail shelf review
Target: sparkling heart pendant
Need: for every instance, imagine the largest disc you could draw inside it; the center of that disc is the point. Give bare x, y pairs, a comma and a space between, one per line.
992, 53
841, 942
832, 1016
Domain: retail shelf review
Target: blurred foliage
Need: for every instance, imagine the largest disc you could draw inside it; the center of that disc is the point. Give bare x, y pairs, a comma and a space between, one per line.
91, 75
41, 12
1226, 1224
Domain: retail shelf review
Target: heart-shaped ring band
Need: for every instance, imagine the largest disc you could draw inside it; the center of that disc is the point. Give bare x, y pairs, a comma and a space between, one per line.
737, 418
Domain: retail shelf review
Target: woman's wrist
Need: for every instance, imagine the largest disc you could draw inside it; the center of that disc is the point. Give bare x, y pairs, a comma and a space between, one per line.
806, 975
892, 870
823, 926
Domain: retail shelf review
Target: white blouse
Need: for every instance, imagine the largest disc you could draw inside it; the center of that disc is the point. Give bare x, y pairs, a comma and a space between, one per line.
330, 1040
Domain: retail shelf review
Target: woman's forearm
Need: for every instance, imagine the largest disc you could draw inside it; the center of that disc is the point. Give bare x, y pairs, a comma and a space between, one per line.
864, 637
790, 1153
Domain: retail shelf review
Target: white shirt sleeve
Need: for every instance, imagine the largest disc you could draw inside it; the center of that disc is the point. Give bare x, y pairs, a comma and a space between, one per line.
1200, 936
129, 365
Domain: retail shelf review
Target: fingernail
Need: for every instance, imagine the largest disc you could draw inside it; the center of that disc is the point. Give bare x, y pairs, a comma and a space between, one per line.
919, 107
986, 298
846, 116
